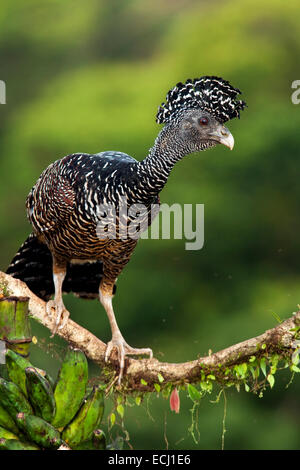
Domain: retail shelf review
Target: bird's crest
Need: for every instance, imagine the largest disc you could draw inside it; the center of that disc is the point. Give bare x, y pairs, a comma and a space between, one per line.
212, 94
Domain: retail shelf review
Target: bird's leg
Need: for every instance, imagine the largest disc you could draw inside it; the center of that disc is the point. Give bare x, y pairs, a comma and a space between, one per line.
117, 340
61, 313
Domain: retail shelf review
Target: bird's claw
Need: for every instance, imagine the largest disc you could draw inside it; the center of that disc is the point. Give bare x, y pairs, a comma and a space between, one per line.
60, 313
124, 349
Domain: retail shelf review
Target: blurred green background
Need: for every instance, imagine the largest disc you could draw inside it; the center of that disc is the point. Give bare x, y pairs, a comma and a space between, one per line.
89, 76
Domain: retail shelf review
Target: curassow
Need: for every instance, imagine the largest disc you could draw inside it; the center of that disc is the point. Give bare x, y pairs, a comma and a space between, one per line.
67, 252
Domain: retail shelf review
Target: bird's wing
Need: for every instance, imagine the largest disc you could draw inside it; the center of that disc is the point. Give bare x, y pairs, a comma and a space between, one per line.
77, 182
51, 201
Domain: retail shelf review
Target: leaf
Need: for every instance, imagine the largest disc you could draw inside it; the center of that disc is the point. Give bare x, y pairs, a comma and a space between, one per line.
167, 390
274, 363
143, 382
138, 400
254, 371
241, 369
112, 419
271, 380
120, 410
295, 358
175, 401
206, 386
157, 387
160, 378
263, 366
194, 394
119, 399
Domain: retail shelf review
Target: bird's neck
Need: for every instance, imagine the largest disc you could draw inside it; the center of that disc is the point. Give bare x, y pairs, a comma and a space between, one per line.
154, 170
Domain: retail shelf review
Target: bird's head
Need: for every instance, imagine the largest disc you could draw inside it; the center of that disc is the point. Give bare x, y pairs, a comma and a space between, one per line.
198, 110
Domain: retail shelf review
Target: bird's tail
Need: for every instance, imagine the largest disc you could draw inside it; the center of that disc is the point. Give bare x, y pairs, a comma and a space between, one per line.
33, 265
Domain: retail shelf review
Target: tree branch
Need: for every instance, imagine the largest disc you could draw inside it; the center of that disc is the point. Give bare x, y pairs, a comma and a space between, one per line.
280, 339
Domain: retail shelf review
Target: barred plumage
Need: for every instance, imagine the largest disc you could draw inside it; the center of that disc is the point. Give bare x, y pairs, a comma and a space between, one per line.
76, 237
212, 94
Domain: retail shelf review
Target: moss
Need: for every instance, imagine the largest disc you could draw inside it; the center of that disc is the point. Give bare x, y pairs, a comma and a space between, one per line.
4, 291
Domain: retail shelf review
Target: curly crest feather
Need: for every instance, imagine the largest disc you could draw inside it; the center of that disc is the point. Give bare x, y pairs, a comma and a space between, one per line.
212, 94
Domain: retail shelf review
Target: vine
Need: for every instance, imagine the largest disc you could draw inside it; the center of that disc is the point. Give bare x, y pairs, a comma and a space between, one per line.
251, 365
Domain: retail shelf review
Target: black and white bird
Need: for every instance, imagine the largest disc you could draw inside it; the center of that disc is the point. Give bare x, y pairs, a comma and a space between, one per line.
66, 251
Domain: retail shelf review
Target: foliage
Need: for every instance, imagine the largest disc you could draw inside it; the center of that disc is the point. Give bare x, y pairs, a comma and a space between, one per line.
90, 79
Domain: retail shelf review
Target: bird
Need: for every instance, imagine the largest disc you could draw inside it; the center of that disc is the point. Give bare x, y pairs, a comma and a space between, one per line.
77, 242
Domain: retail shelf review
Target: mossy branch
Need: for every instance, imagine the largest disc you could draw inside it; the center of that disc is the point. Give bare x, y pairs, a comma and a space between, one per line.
143, 374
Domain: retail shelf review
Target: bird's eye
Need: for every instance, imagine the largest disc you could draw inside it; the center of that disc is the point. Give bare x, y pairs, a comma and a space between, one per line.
203, 121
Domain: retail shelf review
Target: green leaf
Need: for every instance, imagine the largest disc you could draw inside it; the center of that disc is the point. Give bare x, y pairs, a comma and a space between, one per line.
119, 399
247, 388
157, 387
274, 362
194, 394
160, 378
143, 382
206, 386
253, 371
271, 380
263, 366
295, 368
138, 400
112, 419
295, 358
211, 377
120, 410
241, 369
167, 390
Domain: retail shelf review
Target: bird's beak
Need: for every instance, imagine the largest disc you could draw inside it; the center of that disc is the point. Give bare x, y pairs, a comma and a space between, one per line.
223, 136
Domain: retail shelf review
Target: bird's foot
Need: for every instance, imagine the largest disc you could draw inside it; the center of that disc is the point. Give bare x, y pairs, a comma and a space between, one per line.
60, 314
124, 350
